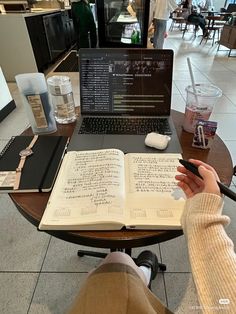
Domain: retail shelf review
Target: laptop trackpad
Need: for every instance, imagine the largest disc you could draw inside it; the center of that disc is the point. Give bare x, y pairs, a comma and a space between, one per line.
127, 143
86, 142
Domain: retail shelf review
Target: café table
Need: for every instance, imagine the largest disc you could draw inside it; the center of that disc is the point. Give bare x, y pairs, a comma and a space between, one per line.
32, 205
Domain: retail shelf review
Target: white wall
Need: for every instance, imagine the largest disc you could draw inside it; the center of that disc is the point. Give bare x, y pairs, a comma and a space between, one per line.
16, 53
5, 96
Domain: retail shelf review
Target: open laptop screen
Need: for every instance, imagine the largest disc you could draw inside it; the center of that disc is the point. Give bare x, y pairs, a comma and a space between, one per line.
119, 81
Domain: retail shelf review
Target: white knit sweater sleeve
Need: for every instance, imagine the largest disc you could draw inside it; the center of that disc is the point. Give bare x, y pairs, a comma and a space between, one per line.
211, 253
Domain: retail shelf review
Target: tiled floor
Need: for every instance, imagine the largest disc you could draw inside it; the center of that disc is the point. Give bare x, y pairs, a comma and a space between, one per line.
40, 274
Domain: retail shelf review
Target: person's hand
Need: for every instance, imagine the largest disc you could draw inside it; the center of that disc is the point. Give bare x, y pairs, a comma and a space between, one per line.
191, 184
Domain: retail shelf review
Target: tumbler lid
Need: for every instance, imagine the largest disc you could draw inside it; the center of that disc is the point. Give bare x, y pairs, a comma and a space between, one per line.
59, 85
31, 83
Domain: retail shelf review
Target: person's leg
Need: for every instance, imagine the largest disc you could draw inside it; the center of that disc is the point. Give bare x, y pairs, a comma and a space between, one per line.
118, 285
202, 24
123, 258
198, 21
159, 33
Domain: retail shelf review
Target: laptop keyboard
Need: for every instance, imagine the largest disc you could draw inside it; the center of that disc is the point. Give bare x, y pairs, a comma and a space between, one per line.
130, 126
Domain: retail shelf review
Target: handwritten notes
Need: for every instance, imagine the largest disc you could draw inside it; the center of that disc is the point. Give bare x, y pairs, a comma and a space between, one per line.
95, 179
106, 190
152, 173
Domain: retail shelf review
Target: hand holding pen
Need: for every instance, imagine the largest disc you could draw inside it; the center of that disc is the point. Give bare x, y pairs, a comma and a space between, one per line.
191, 184
196, 170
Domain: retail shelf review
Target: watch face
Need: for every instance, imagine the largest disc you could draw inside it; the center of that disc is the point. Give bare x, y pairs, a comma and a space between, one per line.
26, 152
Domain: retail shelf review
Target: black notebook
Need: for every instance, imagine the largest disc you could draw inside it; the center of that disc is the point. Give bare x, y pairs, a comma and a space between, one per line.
40, 168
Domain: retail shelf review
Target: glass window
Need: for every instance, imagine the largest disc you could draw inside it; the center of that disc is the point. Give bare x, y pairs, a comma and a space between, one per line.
122, 22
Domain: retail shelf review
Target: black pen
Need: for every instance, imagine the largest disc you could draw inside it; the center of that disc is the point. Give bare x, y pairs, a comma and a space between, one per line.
194, 169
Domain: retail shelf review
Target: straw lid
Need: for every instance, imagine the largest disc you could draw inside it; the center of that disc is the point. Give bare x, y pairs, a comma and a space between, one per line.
205, 90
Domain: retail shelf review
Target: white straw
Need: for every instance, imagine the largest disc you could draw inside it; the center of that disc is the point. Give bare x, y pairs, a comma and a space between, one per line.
192, 79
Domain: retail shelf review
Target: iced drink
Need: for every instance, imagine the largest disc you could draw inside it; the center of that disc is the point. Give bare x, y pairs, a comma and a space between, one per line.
199, 104
194, 113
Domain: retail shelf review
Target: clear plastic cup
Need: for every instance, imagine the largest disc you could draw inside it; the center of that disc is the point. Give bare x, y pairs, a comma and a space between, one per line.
34, 94
199, 104
61, 94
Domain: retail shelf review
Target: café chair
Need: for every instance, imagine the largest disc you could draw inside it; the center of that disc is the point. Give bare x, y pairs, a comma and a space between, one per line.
178, 17
214, 28
177, 22
230, 8
188, 25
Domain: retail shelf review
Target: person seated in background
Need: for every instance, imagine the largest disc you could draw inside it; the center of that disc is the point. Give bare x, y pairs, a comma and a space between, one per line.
119, 285
84, 25
198, 20
190, 13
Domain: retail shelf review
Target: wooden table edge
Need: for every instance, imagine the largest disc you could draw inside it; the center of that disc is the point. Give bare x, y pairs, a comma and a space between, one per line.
121, 239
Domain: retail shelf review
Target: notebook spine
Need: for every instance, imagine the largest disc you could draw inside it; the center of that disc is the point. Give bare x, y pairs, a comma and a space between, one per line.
7, 146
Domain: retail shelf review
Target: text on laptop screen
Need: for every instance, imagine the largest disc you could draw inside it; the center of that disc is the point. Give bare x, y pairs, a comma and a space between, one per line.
126, 81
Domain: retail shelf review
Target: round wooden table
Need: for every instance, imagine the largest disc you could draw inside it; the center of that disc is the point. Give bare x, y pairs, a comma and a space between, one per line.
32, 205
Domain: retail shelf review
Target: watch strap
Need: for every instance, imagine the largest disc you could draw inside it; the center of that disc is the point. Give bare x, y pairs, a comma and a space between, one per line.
22, 162
32, 142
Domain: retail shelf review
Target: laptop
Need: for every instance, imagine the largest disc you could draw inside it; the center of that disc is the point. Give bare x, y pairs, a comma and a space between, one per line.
124, 95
